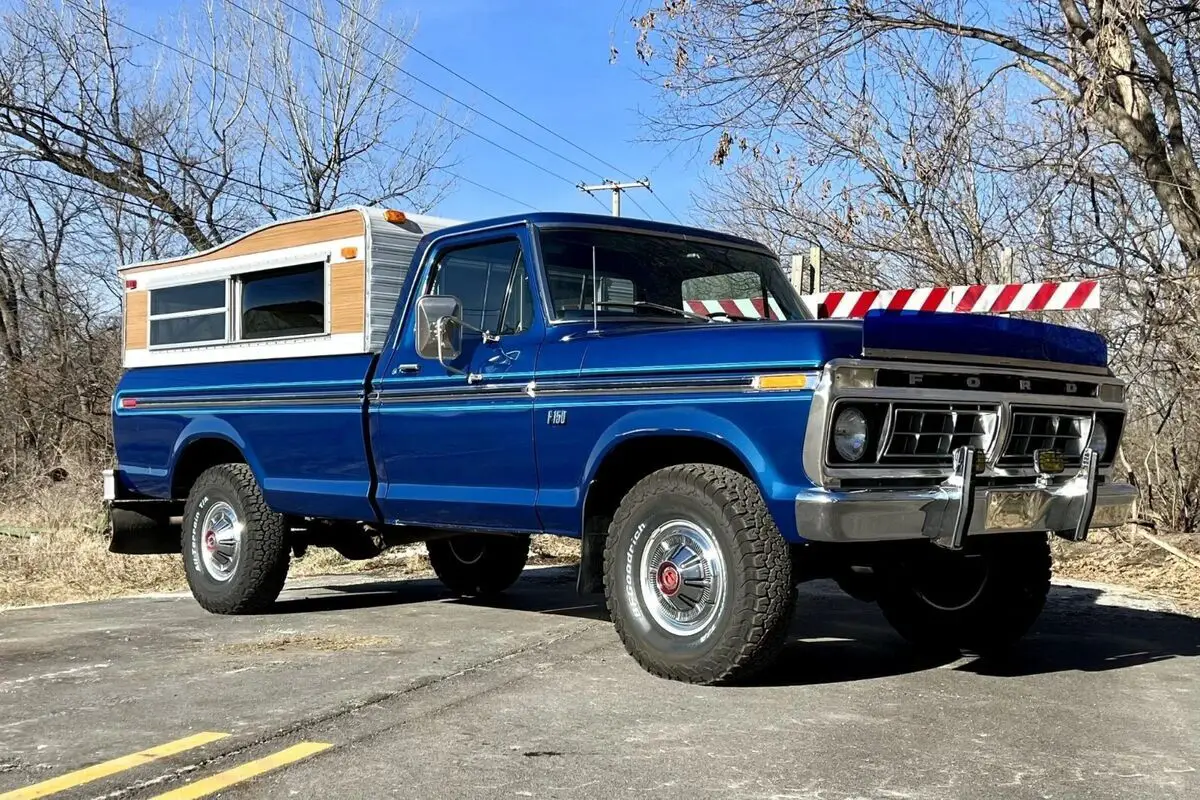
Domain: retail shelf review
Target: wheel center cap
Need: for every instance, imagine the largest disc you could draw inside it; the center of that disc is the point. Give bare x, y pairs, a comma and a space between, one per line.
210, 541
668, 579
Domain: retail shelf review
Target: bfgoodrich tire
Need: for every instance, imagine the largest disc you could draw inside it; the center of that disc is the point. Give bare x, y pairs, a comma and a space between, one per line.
697, 577
983, 599
478, 565
235, 548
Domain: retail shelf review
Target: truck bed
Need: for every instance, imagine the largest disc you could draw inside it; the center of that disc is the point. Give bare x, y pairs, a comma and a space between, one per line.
300, 421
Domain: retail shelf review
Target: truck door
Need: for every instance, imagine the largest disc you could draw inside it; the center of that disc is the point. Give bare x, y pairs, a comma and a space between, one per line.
454, 446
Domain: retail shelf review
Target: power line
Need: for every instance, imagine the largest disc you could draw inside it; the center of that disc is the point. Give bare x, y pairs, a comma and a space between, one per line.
422, 81
101, 196
84, 134
266, 92
476, 86
392, 89
346, 7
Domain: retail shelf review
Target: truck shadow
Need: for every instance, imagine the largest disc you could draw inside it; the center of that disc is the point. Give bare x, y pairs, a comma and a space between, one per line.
835, 638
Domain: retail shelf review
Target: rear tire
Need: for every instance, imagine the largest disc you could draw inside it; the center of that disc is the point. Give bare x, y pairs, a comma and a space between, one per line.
478, 565
697, 577
235, 548
982, 600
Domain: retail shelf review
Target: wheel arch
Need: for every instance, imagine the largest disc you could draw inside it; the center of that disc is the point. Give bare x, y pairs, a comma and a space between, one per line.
630, 457
199, 448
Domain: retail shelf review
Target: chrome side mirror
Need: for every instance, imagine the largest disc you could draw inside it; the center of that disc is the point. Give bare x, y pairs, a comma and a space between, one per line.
439, 327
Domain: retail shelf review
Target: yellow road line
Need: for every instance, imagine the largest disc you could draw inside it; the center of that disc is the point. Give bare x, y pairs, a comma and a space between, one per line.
104, 769
223, 780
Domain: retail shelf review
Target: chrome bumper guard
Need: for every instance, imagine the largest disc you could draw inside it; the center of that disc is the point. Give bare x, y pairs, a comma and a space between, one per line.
955, 509
110, 485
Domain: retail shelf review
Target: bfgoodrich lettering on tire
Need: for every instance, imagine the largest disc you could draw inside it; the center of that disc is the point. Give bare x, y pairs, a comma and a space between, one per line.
697, 577
235, 548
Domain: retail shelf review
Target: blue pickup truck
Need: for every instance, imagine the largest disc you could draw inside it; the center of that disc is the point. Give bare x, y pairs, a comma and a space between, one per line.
362, 379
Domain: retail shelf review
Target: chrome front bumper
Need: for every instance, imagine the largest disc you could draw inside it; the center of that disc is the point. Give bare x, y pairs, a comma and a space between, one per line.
950, 512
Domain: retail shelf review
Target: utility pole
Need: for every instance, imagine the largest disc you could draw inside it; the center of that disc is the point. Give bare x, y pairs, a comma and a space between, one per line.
616, 189
814, 262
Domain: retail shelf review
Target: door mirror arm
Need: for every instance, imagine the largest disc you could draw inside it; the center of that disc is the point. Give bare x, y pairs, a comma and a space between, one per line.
439, 332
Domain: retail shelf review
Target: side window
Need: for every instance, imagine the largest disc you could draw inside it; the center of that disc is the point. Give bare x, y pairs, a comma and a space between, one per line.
191, 314
486, 280
283, 302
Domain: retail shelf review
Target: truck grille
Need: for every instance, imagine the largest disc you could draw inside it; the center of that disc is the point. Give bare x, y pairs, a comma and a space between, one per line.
1063, 431
929, 435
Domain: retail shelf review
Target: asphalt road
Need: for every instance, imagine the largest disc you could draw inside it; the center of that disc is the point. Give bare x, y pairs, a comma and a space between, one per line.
364, 689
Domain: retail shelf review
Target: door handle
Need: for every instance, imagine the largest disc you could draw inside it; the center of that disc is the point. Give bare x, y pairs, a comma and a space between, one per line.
408, 369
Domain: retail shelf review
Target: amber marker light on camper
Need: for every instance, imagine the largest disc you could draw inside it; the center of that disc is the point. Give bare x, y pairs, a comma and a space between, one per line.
395, 217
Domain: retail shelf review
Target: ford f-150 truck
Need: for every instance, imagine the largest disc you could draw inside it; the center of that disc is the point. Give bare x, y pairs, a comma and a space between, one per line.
365, 378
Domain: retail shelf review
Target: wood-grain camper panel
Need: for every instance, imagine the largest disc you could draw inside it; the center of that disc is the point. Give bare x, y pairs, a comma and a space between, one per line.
298, 233
137, 320
347, 297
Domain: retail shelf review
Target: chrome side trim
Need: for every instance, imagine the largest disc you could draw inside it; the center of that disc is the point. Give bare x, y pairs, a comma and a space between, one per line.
239, 400
994, 361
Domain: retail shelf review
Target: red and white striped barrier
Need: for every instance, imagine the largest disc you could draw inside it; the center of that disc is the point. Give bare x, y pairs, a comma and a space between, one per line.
978, 299
743, 307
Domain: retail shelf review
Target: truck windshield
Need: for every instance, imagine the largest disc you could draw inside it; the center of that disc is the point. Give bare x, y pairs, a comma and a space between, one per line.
641, 275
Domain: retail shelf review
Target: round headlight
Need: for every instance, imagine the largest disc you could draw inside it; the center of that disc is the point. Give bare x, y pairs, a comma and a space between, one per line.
850, 434
1099, 440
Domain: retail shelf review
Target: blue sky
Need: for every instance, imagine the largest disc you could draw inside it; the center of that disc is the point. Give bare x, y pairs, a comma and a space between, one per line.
549, 58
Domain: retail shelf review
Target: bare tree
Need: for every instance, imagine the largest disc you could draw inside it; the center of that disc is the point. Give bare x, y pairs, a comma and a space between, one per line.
236, 118
917, 141
332, 108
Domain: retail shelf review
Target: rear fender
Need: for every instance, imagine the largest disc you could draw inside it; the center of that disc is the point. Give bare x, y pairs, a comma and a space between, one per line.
201, 428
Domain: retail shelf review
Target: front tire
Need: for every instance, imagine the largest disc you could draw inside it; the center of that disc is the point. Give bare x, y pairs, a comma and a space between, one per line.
478, 565
982, 600
235, 548
697, 577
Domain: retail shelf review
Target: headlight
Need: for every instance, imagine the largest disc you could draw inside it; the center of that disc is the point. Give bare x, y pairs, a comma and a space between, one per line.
850, 434
1099, 440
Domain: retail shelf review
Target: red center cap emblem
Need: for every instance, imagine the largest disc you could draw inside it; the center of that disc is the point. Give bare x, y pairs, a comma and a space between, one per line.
668, 579
210, 541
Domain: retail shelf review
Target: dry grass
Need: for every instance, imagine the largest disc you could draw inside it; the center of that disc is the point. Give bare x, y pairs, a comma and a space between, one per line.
1122, 557
68, 559
53, 549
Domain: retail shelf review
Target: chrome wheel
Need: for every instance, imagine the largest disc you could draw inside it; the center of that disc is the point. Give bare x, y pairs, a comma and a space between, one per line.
682, 577
466, 549
221, 541
954, 586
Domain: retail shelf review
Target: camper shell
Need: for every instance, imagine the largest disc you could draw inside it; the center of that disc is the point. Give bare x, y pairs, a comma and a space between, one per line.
322, 284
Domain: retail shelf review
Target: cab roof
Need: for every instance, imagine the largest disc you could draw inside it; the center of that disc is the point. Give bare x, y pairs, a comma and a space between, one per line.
541, 218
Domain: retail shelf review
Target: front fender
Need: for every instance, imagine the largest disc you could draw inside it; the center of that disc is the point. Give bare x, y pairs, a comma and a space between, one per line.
677, 421
758, 438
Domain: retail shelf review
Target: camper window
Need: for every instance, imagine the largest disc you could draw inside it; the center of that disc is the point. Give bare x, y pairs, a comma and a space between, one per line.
283, 302
191, 314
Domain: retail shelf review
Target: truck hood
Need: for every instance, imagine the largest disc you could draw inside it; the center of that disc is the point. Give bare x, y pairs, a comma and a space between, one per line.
809, 344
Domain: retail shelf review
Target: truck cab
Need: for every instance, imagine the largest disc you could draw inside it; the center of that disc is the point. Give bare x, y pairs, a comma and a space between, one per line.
366, 378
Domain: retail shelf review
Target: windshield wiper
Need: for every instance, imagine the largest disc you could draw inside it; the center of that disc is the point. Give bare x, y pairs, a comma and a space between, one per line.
657, 307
